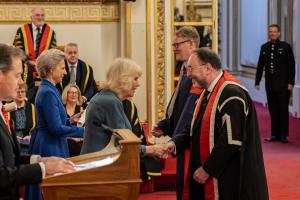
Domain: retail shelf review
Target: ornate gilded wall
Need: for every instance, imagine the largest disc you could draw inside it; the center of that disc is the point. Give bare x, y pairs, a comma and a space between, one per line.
94, 11
160, 77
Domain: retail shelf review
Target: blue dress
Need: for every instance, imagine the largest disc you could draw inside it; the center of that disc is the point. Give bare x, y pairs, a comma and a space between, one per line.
53, 127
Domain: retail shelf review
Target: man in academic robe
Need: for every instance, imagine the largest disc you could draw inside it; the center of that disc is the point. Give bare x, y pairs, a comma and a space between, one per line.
180, 107
16, 169
226, 160
78, 72
33, 38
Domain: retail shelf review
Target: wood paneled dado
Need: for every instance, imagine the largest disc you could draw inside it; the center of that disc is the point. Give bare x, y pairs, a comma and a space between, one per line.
80, 11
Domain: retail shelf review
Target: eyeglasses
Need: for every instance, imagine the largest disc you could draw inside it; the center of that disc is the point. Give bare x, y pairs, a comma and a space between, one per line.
176, 45
190, 67
72, 93
21, 92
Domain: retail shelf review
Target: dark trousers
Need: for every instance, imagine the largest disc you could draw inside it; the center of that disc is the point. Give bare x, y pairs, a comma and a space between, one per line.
179, 175
278, 103
196, 190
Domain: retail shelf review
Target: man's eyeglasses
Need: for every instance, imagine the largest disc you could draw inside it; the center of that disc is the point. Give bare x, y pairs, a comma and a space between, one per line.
191, 67
176, 45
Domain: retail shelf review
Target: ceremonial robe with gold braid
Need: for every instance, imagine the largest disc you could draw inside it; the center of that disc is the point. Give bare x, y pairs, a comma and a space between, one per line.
24, 40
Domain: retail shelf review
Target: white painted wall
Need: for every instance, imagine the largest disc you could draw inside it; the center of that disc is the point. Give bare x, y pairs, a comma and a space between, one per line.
138, 42
254, 23
98, 43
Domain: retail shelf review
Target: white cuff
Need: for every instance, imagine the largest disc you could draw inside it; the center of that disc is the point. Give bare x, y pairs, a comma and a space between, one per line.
174, 147
34, 159
42, 165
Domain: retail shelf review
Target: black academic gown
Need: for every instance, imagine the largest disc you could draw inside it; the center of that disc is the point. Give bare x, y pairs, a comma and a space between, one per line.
84, 79
233, 159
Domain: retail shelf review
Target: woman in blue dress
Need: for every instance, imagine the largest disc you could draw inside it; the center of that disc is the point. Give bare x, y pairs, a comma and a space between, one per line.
53, 126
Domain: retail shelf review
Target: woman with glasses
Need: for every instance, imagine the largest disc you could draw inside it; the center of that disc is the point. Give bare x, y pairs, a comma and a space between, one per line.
24, 118
72, 100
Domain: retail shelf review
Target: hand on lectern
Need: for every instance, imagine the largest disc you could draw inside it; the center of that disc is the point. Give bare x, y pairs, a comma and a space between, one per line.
55, 165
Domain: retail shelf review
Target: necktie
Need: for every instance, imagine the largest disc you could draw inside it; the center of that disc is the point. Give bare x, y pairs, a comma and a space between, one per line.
173, 99
5, 115
72, 75
203, 105
204, 101
38, 41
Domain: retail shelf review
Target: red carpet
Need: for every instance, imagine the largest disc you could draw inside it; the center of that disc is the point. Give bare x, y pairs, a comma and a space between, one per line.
282, 162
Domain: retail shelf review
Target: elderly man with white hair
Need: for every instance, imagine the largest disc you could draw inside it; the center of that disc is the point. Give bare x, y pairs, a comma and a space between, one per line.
33, 38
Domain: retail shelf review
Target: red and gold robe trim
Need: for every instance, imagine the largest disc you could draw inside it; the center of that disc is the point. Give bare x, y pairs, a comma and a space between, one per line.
29, 43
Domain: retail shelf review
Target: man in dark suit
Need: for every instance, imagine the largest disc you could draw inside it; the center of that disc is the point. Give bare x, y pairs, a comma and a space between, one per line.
78, 72
16, 169
33, 38
277, 60
180, 109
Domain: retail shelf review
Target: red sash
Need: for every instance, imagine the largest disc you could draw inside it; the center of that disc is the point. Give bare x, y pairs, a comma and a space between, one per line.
29, 44
195, 90
207, 134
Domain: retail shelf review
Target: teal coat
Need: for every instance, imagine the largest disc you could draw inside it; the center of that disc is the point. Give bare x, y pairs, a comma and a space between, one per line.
104, 108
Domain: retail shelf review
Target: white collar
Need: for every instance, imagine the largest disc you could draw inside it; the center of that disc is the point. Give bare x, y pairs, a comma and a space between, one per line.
214, 83
69, 64
1, 115
34, 27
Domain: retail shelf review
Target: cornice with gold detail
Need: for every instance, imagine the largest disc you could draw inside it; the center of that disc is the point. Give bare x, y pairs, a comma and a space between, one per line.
92, 12
160, 73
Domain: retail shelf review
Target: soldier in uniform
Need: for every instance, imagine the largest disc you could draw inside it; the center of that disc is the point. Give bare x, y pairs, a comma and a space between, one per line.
277, 60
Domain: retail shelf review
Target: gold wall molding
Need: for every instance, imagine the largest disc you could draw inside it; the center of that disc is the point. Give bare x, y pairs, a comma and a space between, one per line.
55, 1
128, 13
160, 72
62, 12
149, 64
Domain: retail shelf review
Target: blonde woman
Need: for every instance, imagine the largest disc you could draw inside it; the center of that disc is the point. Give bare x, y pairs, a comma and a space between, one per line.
71, 98
122, 80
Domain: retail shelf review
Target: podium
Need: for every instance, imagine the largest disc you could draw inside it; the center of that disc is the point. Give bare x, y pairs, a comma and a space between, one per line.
118, 179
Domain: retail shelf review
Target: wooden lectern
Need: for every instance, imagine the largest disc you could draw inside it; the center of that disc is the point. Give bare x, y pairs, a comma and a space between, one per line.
119, 180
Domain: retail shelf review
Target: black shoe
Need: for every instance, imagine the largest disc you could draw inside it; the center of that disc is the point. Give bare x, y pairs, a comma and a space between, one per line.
283, 139
271, 139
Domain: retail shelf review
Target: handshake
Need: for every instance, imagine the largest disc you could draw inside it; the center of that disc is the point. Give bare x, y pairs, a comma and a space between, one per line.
161, 150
